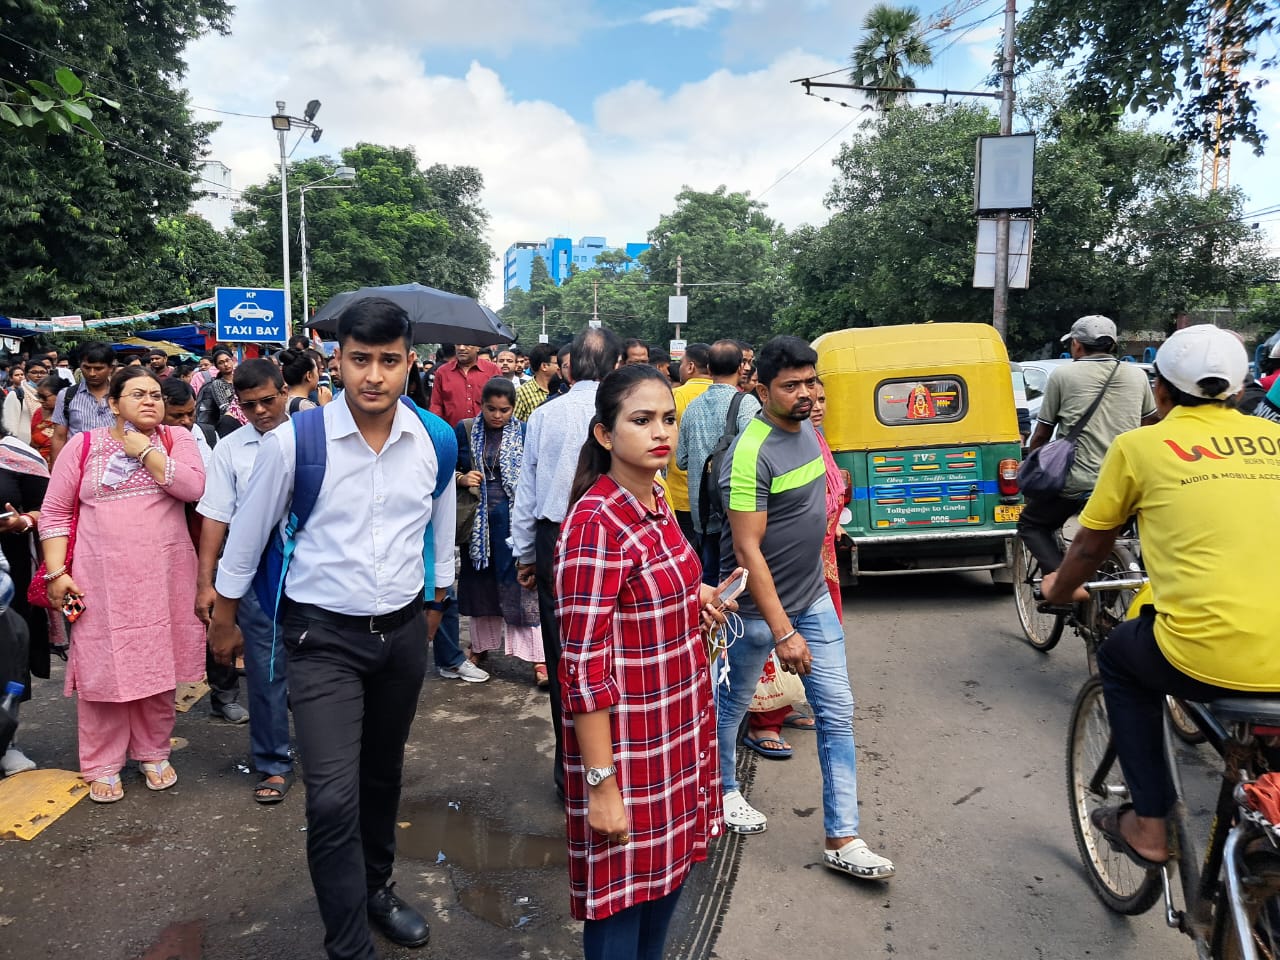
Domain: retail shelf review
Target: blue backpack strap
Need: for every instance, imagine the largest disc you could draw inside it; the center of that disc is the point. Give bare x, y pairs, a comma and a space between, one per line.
445, 442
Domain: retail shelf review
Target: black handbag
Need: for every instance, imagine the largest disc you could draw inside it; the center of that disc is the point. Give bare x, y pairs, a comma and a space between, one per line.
1044, 472
468, 499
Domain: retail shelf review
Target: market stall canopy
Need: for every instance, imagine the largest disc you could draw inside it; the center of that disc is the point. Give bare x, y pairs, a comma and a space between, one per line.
190, 338
138, 343
437, 316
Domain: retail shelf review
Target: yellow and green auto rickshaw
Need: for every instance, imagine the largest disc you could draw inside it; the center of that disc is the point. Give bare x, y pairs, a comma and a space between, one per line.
923, 419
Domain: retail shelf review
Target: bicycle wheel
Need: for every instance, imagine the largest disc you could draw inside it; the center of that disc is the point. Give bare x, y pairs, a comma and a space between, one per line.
1183, 725
1261, 906
1119, 883
1042, 630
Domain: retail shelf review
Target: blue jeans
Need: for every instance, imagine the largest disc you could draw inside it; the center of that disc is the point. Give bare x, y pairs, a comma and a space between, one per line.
636, 933
268, 691
446, 645
829, 693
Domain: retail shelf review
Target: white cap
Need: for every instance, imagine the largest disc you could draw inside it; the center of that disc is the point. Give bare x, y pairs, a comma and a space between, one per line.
1092, 329
1275, 351
1198, 353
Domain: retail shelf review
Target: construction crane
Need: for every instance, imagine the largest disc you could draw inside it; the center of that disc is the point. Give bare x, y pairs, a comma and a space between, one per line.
1221, 64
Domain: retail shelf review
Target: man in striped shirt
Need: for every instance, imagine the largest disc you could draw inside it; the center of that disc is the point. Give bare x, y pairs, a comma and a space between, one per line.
774, 483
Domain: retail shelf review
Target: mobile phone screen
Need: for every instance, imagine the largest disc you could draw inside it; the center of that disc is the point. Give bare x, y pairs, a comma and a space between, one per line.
734, 587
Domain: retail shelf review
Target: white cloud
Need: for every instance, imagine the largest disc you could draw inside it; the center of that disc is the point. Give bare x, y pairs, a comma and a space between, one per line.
545, 172
690, 17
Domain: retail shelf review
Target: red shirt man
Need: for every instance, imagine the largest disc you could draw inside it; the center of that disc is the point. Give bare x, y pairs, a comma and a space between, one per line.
455, 395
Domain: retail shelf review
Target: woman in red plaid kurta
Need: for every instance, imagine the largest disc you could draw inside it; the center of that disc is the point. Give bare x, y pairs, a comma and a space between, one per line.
627, 599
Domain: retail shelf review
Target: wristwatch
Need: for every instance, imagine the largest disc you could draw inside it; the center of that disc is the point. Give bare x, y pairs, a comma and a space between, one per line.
598, 775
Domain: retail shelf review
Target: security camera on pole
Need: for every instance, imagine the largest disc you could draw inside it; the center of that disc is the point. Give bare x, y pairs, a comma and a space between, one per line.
282, 123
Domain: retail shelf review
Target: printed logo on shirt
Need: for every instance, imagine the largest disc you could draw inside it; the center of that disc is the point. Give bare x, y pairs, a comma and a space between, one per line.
1197, 452
1224, 447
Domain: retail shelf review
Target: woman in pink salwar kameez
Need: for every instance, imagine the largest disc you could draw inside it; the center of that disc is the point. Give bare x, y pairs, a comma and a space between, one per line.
135, 568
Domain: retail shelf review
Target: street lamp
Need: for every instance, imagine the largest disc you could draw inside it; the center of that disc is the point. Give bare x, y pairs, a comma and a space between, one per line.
282, 123
341, 173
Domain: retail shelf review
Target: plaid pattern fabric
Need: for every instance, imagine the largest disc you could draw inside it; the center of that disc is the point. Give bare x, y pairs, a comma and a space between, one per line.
627, 602
529, 397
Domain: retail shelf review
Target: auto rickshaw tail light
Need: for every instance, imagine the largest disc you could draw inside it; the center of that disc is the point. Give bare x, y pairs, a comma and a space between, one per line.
848, 487
1007, 474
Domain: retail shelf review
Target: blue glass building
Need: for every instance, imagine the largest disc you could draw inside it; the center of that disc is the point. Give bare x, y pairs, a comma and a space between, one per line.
559, 254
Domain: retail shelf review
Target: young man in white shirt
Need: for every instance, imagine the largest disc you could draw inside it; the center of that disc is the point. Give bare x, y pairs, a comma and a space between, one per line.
353, 625
260, 391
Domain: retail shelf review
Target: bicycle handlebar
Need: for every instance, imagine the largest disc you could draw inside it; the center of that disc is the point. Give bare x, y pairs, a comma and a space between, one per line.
1126, 583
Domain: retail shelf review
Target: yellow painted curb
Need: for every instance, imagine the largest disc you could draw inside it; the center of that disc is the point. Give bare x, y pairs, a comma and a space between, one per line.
31, 801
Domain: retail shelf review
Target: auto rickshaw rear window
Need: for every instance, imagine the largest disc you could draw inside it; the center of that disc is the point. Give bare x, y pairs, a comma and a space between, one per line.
904, 402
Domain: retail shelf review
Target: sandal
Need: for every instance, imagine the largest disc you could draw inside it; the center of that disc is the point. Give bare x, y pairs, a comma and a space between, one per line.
540, 676
268, 792
1107, 822
769, 746
856, 859
159, 775
740, 816
114, 789
800, 721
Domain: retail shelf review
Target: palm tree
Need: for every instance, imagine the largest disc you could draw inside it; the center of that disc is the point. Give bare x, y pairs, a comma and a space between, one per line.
891, 44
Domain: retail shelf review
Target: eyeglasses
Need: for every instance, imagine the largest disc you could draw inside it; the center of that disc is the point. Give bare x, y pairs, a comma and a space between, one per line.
137, 396
248, 406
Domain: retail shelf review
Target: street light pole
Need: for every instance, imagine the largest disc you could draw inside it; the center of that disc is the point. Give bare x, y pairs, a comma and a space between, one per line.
284, 218
1000, 304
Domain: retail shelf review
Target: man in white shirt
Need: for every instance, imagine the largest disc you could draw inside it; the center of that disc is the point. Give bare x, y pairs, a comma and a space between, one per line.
352, 625
260, 391
553, 439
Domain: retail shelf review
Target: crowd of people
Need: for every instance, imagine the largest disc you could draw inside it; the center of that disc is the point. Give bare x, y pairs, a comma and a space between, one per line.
601, 500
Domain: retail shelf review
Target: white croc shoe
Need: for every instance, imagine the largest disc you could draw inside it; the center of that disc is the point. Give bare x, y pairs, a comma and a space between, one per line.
856, 859
740, 816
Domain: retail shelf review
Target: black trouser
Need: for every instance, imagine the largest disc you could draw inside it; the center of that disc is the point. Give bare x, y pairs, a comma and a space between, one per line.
354, 695
685, 520
1038, 526
223, 680
544, 545
1135, 679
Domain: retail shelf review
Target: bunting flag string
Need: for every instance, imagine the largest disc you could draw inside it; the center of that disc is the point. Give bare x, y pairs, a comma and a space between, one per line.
66, 324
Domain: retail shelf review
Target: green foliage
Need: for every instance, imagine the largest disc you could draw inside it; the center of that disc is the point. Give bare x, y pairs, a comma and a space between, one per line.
1145, 57
1119, 230
194, 258
890, 45
396, 224
34, 109
79, 217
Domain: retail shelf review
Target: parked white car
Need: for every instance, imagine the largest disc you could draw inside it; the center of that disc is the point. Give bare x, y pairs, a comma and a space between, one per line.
1035, 374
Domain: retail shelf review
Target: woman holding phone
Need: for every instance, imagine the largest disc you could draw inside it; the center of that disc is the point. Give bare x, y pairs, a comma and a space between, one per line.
130, 647
641, 777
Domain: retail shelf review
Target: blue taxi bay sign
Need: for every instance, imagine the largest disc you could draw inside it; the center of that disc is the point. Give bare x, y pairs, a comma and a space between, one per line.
250, 315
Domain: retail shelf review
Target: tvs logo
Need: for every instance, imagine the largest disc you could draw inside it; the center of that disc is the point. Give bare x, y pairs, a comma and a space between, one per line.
1197, 452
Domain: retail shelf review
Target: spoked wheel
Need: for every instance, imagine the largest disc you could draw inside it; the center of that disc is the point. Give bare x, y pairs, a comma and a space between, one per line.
1042, 630
1183, 725
1261, 906
1094, 780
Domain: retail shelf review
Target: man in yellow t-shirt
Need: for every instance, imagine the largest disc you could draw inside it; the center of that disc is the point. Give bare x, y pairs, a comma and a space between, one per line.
1200, 482
695, 378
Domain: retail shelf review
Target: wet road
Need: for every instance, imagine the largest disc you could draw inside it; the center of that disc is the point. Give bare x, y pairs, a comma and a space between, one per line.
961, 732
961, 739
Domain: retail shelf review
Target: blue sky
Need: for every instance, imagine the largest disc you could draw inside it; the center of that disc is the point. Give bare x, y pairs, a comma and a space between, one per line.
585, 118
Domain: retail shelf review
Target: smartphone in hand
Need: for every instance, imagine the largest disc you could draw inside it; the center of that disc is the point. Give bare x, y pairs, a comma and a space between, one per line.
733, 587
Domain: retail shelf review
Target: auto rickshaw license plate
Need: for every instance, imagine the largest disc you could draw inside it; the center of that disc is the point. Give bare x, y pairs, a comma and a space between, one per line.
1006, 513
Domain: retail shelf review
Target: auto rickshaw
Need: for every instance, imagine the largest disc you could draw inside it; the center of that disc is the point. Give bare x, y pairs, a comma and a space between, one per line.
922, 418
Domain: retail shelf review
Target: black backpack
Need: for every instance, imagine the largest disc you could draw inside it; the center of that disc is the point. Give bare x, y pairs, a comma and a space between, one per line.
710, 503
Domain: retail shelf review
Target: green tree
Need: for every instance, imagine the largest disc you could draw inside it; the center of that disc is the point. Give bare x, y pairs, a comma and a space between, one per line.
194, 258
79, 216
1194, 55
734, 258
396, 224
1119, 230
890, 46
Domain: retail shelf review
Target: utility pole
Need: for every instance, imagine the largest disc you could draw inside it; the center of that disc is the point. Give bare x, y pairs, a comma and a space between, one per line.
595, 303
679, 283
1000, 306
284, 220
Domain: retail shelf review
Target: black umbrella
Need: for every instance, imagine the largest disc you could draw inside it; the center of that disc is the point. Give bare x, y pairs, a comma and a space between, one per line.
437, 316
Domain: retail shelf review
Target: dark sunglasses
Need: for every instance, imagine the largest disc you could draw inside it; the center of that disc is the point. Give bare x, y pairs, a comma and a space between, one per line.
248, 406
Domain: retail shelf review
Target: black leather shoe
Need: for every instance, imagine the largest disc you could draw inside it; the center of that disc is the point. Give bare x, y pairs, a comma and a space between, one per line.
397, 921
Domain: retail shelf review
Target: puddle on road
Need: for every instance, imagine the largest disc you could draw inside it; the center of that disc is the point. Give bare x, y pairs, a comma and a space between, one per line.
179, 941
451, 836
472, 842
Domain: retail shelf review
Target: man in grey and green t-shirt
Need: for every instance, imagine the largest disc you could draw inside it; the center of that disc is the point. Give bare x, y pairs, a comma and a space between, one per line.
774, 483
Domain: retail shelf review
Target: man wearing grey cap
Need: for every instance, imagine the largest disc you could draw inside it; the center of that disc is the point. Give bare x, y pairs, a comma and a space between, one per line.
1201, 483
1126, 403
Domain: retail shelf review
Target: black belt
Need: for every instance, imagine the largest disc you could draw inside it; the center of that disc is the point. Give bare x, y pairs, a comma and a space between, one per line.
383, 623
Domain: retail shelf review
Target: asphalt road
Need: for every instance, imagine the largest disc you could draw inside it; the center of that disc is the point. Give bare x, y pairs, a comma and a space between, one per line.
961, 733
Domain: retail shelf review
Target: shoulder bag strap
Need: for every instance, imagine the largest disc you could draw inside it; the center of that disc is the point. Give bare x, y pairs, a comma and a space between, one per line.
731, 418
1074, 434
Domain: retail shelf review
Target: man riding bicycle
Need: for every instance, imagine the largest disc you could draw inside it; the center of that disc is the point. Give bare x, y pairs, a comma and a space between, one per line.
1197, 482
1126, 403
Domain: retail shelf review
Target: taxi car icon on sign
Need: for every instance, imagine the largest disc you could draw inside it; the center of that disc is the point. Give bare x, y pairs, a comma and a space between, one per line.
250, 311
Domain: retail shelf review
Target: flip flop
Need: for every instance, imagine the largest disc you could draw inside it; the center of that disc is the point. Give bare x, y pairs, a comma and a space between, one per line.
800, 721
1107, 822
280, 789
160, 769
773, 753
113, 784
